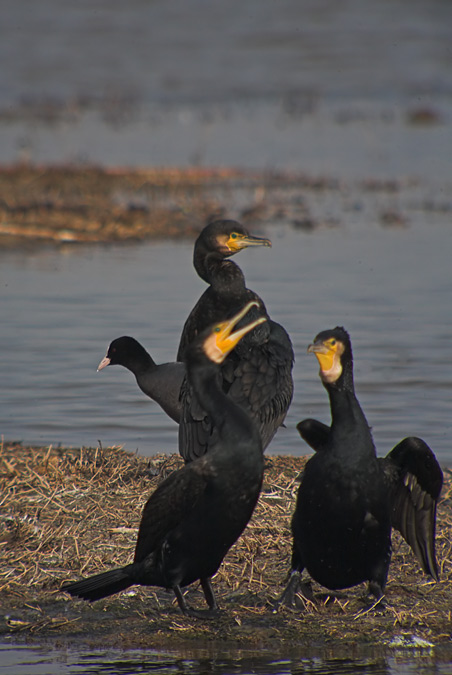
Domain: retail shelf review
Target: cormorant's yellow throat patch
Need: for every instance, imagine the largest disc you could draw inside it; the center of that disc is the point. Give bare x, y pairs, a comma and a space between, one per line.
328, 353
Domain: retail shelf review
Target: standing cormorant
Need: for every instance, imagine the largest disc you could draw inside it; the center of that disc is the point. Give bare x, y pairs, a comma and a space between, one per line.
349, 500
196, 514
161, 382
258, 373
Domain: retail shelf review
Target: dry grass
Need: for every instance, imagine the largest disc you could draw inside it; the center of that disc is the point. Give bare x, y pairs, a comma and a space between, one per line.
72, 512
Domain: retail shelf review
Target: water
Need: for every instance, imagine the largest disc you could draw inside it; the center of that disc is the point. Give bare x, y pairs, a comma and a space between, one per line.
322, 86
36, 661
389, 287
154, 52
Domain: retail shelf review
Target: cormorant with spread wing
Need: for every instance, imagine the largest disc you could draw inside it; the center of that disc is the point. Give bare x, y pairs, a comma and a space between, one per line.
349, 499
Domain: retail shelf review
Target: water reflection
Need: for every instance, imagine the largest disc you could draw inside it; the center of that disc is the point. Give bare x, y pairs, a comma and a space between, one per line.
16, 660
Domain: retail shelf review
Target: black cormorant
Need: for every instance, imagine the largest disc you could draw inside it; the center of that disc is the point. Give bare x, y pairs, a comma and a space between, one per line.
161, 382
213, 249
349, 500
258, 373
197, 513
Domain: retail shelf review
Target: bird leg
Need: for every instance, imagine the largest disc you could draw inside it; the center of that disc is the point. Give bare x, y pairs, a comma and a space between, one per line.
211, 613
288, 596
377, 590
181, 600
209, 594
295, 590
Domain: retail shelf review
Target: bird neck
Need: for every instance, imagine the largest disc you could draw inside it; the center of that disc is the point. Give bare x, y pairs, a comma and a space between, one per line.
140, 362
202, 259
218, 271
350, 432
234, 426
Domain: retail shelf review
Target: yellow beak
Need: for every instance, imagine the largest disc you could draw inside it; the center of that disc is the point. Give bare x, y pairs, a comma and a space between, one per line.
225, 338
240, 241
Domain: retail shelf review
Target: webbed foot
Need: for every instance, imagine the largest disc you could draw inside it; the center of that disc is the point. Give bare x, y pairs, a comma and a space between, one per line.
212, 613
203, 614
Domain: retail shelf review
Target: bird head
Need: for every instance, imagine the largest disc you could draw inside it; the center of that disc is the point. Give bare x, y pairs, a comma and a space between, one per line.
121, 351
228, 237
332, 348
221, 338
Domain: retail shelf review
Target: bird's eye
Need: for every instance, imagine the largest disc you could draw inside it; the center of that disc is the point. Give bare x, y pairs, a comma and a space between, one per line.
332, 342
234, 235
217, 329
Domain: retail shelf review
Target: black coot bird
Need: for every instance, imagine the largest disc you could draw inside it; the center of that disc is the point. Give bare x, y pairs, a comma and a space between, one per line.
349, 500
161, 382
258, 373
193, 518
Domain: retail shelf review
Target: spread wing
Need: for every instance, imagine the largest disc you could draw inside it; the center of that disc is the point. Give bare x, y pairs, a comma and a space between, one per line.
415, 480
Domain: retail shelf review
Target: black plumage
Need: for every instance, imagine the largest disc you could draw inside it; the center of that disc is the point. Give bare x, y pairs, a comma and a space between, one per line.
197, 513
349, 499
258, 373
161, 382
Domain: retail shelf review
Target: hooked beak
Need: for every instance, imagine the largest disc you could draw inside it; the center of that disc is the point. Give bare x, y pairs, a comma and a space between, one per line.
244, 241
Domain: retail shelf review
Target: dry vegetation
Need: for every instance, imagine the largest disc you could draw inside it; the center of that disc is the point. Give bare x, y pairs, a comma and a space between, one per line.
72, 512
69, 205
93, 205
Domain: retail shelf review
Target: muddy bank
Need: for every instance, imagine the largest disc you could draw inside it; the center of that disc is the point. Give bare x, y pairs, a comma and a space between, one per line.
69, 205
73, 512
63, 205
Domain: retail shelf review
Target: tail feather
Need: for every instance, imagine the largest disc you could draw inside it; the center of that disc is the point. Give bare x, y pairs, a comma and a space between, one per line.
100, 585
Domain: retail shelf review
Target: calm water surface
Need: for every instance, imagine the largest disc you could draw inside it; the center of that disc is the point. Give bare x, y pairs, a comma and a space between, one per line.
29, 661
390, 288
320, 85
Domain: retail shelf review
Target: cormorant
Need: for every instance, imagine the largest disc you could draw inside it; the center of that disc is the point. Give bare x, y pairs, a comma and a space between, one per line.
216, 243
349, 499
196, 514
258, 373
160, 382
